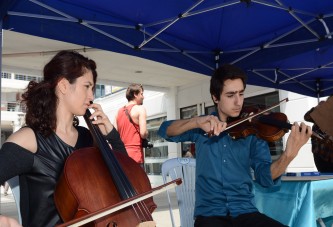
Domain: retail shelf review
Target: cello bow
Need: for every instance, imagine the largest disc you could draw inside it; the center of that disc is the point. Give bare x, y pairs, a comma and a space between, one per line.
125, 203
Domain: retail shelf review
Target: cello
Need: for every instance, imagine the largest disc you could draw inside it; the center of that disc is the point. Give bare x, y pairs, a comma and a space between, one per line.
95, 178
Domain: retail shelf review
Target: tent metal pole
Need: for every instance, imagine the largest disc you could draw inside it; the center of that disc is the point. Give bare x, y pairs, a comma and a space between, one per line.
328, 88
299, 82
69, 18
262, 75
198, 61
1, 38
280, 6
184, 52
318, 89
220, 6
271, 42
30, 15
52, 9
292, 13
171, 23
217, 60
312, 70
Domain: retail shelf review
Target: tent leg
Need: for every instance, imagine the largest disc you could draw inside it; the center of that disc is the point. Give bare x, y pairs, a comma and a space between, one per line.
318, 90
1, 38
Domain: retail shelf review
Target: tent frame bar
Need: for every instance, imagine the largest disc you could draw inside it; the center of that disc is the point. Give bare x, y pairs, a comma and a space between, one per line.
149, 34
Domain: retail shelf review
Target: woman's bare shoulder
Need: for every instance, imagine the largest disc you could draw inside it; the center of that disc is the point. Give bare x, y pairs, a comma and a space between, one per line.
7, 221
25, 137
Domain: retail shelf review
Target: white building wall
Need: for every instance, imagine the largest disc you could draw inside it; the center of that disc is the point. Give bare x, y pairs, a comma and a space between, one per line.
195, 94
172, 112
295, 109
14, 85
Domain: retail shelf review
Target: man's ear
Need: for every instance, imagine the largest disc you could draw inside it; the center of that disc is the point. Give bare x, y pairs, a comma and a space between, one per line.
63, 85
215, 99
136, 95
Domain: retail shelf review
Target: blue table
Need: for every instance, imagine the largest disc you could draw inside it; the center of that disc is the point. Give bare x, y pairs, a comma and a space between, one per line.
299, 202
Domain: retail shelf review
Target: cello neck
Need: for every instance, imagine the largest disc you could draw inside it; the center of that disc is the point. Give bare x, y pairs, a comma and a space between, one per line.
121, 181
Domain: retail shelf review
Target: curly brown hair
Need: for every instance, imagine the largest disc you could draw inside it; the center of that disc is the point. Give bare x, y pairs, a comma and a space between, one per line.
40, 98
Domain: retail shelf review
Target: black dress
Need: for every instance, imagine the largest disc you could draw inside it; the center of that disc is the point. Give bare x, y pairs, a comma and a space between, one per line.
39, 173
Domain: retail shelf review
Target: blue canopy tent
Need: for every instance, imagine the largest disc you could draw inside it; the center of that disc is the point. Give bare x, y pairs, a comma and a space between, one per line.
282, 44
309, 72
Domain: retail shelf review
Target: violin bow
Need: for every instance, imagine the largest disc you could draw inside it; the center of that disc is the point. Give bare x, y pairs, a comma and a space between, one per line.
256, 114
319, 136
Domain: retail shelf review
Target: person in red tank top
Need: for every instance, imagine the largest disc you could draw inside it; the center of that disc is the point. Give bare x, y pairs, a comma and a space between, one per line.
133, 132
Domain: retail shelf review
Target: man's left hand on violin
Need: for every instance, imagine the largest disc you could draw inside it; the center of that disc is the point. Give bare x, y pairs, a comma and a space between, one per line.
299, 136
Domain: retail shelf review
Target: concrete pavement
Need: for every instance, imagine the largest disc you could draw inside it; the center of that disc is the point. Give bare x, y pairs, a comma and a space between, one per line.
7, 204
162, 214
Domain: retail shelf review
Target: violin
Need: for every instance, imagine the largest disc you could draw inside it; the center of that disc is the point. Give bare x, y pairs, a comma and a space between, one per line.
269, 126
261, 125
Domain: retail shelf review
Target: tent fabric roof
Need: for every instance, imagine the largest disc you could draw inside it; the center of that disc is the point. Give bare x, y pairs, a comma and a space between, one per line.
282, 44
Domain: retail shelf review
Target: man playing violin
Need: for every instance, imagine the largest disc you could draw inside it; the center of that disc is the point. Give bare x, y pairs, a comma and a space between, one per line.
224, 183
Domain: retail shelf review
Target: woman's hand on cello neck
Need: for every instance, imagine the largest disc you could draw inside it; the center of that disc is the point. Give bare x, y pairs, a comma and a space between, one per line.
8, 222
100, 119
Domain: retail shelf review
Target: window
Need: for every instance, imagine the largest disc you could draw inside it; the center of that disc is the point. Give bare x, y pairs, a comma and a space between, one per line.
6, 75
99, 90
264, 101
209, 109
155, 156
28, 78
188, 148
188, 112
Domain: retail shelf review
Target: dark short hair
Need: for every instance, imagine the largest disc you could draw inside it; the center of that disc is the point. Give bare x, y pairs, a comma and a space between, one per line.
133, 89
223, 73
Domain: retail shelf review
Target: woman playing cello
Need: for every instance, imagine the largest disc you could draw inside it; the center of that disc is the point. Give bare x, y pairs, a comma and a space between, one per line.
37, 152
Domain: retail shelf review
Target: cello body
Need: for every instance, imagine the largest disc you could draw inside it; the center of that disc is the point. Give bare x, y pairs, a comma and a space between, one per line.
86, 185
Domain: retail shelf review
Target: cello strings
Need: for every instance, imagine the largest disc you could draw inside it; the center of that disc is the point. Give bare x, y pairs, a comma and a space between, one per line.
123, 185
141, 210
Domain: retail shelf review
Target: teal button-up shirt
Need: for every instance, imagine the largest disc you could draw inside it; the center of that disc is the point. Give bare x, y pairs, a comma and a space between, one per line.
224, 182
